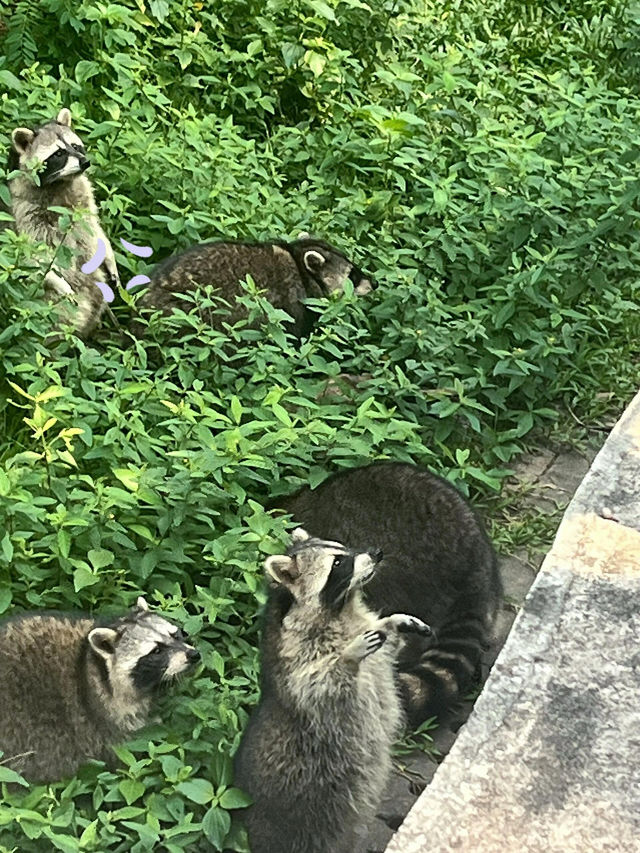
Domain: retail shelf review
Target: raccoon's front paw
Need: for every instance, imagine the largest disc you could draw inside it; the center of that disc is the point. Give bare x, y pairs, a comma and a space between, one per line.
365, 645
406, 624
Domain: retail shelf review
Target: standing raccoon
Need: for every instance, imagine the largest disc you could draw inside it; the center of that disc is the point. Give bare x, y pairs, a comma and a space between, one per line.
315, 756
72, 687
60, 156
438, 565
289, 272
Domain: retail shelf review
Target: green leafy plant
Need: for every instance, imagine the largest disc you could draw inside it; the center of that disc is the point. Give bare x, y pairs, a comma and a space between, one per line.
478, 159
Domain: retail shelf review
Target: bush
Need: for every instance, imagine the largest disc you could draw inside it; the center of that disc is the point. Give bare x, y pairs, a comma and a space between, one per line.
479, 159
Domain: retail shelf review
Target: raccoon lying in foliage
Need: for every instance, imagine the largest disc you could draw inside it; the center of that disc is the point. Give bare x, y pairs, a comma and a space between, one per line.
438, 565
289, 272
62, 159
315, 756
72, 687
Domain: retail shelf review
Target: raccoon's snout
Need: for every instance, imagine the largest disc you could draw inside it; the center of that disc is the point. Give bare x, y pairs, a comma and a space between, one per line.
84, 165
376, 555
193, 656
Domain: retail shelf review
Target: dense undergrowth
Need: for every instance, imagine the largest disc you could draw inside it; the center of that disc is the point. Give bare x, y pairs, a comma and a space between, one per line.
478, 158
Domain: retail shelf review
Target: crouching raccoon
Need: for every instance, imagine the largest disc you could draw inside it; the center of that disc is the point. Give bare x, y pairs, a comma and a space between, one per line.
72, 686
288, 272
316, 753
438, 565
58, 153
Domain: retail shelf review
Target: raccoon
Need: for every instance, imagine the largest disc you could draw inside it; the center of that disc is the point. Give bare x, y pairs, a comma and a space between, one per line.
438, 565
315, 755
72, 687
60, 155
289, 272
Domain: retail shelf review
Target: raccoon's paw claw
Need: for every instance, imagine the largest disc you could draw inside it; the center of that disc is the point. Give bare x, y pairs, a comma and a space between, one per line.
365, 645
406, 624
373, 640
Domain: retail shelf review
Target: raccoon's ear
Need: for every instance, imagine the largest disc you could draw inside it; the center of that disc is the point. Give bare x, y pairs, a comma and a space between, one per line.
281, 569
22, 138
141, 604
299, 535
64, 117
303, 235
103, 641
313, 260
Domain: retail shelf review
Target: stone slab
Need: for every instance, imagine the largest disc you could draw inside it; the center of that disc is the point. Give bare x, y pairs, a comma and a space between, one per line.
549, 759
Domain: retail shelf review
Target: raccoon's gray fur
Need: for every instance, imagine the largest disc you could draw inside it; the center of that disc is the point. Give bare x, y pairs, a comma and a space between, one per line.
315, 756
71, 686
289, 272
61, 156
438, 565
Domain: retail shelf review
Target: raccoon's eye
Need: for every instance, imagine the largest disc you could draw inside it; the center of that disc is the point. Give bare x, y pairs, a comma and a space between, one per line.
157, 650
338, 561
57, 156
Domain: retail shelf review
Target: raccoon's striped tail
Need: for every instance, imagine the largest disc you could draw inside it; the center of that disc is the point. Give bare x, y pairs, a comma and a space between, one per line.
434, 681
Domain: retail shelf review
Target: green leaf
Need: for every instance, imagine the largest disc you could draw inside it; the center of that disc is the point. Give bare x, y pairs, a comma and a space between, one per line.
440, 198
236, 409
84, 577
10, 80
5, 598
10, 776
85, 69
159, 9
131, 790
198, 790
234, 798
184, 57
6, 546
321, 9
66, 843
316, 62
64, 542
216, 824
128, 477
292, 53
100, 557
90, 835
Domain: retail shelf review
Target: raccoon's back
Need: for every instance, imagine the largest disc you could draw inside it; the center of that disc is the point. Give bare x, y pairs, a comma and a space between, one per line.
224, 265
41, 718
433, 544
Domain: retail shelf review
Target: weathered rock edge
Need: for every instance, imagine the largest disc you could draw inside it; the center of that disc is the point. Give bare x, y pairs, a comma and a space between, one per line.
549, 759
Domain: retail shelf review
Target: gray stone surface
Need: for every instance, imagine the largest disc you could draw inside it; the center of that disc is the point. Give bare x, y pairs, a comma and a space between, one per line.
549, 760
533, 489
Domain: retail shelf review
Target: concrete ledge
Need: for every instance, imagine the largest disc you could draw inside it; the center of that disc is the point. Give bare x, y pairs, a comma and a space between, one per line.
549, 760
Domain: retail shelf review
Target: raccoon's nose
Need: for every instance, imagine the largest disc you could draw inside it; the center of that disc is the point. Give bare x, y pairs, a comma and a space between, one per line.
193, 655
376, 555
84, 165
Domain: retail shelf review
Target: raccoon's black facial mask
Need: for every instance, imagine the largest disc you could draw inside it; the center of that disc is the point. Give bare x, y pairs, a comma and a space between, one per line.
155, 668
56, 163
334, 592
149, 670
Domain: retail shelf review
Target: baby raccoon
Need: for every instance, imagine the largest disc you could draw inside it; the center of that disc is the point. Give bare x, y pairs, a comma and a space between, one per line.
289, 272
60, 156
316, 753
72, 687
438, 565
